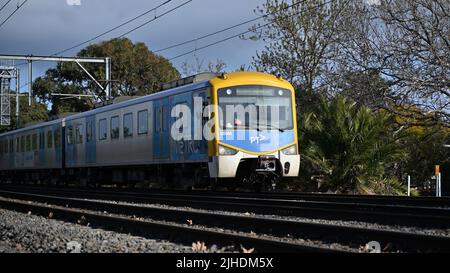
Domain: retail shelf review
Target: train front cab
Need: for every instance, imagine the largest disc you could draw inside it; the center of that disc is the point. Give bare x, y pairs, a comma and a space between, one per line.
259, 153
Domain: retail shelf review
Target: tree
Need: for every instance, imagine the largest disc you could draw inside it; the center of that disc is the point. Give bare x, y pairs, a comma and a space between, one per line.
415, 37
198, 66
407, 42
424, 144
37, 112
135, 71
352, 147
365, 88
315, 44
301, 41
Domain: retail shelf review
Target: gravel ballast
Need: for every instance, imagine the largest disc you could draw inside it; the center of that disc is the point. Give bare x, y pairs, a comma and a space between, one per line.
426, 231
21, 232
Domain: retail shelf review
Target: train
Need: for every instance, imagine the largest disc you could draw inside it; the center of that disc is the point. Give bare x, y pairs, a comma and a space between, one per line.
137, 139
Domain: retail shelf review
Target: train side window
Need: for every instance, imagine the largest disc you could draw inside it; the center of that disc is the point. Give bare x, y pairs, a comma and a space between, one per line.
142, 122
11, 145
1, 147
128, 125
22, 144
58, 137
17, 145
102, 129
69, 135
28, 143
49, 139
115, 127
79, 133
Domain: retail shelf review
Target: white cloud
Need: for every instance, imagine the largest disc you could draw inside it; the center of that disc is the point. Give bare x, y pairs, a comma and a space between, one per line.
73, 2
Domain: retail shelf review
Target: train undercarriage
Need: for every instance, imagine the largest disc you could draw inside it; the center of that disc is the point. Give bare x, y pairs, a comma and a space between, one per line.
258, 174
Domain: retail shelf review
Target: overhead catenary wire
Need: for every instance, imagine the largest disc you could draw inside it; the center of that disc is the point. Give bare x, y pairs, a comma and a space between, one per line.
225, 29
108, 31
209, 35
11, 15
156, 17
239, 34
7, 2
114, 28
126, 33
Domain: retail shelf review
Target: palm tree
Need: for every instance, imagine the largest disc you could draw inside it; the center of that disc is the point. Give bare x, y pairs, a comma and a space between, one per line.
351, 146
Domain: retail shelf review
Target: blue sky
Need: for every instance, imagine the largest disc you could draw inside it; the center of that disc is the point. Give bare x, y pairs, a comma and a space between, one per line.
43, 27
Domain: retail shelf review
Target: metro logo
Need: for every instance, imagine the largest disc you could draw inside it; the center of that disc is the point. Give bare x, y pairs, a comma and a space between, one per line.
259, 138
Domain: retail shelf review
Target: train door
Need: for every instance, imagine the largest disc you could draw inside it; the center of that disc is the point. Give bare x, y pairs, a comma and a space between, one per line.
58, 141
41, 147
69, 147
181, 140
90, 139
161, 130
198, 123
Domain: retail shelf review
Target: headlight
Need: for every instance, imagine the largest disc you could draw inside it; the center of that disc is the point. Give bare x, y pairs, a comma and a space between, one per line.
226, 151
291, 150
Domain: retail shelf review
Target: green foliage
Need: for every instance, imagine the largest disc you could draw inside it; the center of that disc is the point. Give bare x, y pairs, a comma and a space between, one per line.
425, 147
366, 88
135, 71
28, 115
352, 147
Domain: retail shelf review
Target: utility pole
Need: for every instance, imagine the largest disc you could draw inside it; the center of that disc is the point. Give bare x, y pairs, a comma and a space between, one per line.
78, 60
6, 74
17, 97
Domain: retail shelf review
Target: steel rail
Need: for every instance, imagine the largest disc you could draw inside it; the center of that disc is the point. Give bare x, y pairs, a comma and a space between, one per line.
383, 214
156, 229
427, 201
329, 233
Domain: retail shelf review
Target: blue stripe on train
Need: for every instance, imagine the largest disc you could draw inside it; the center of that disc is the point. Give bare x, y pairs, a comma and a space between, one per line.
257, 141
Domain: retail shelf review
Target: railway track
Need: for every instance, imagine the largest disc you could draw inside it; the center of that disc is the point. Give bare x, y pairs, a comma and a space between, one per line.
118, 215
427, 201
388, 213
172, 231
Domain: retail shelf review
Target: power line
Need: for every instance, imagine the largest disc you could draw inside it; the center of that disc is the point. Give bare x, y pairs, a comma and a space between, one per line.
239, 34
225, 29
18, 7
107, 31
156, 17
5, 5
114, 28
208, 35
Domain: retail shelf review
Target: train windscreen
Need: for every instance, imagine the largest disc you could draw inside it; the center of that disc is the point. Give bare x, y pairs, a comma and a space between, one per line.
255, 107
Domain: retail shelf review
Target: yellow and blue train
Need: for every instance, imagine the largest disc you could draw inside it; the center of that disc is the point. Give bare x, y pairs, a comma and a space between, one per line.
133, 141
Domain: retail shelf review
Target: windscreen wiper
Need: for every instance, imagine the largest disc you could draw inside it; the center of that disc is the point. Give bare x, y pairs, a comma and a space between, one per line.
270, 126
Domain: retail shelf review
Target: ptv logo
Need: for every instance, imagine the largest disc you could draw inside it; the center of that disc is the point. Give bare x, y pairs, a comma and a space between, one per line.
259, 138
